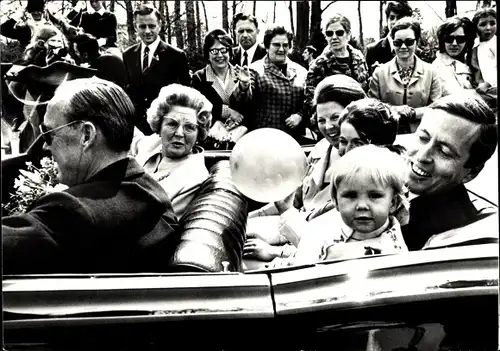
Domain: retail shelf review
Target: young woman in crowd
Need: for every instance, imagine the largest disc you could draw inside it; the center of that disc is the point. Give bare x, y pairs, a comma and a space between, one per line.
455, 38
217, 81
484, 55
406, 79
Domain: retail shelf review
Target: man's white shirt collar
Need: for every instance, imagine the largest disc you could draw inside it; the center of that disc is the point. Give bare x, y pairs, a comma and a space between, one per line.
152, 49
101, 10
250, 53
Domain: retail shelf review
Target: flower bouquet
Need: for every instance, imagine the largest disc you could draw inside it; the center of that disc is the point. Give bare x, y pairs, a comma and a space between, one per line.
31, 184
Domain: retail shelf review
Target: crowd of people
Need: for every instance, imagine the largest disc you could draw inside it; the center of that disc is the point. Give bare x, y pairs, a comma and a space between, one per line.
129, 143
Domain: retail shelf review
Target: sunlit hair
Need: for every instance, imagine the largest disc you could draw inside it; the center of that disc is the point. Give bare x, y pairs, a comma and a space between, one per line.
373, 120
147, 9
373, 164
212, 37
400, 8
244, 17
471, 107
102, 102
339, 88
344, 22
407, 23
451, 25
183, 96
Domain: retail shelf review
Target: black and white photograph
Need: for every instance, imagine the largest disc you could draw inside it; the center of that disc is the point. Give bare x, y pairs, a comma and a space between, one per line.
249, 175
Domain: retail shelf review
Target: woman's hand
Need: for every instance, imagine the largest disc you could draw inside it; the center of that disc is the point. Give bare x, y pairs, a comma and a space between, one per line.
234, 119
293, 121
243, 75
260, 250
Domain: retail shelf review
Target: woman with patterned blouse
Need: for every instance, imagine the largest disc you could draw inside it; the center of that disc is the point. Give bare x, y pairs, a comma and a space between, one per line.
406, 80
338, 58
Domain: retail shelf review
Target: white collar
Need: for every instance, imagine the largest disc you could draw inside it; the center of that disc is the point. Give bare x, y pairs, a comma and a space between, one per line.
348, 232
152, 47
446, 59
250, 52
101, 10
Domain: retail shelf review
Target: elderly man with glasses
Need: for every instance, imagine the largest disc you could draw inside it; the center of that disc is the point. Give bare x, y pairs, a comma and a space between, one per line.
113, 217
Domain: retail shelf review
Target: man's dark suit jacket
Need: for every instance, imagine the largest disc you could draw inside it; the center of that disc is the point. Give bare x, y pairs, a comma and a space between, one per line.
120, 220
17, 31
379, 51
434, 214
169, 65
260, 52
93, 23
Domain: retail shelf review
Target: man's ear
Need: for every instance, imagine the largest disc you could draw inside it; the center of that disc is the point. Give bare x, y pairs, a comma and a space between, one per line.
471, 173
89, 136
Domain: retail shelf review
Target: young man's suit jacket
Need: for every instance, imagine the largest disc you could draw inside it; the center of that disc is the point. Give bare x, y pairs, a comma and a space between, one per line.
169, 65
260, 52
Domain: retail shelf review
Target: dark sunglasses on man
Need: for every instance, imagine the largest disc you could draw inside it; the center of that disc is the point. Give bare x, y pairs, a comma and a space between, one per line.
46, 133
399, 42
338, 33
451, 38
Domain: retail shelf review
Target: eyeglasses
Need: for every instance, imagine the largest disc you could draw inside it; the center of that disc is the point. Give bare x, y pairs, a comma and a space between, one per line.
338, 33
47, 133
459, 38
408, 42
285, 46
216, 51
172, 125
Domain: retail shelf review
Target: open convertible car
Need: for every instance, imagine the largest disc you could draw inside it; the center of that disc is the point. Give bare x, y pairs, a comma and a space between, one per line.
442, 298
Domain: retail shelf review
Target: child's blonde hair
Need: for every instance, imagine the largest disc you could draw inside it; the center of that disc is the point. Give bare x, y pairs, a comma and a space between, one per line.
381, 165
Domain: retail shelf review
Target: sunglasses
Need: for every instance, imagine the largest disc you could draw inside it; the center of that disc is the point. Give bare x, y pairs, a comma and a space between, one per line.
338, 33
408, 42
459, 38
47, 133
216, 51
172, 125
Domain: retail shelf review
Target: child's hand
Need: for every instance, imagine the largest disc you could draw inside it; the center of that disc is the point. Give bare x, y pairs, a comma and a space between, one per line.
260, 250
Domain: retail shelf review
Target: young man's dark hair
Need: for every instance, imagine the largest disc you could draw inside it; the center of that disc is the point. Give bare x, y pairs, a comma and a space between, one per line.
400, 8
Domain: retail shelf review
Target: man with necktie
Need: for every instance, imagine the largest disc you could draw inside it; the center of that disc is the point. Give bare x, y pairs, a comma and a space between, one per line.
248, 51
151, 64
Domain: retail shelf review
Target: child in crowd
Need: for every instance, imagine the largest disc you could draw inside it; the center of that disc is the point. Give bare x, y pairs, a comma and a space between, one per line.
368, 188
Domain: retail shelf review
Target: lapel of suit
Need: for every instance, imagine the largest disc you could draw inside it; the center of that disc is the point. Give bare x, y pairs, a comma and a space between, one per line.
156, 57
137, 64
417, 72
393, 68
224, 92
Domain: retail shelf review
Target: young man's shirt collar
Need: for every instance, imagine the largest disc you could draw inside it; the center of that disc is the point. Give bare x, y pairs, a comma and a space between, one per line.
250, 53
91, 10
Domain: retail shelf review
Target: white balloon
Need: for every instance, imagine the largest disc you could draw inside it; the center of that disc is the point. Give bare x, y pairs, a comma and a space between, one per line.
267, 165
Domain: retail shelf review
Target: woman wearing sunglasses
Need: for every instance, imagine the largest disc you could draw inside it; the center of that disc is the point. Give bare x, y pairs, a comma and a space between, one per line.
217, 81
456, 38
338, 58
406, 80
179, 117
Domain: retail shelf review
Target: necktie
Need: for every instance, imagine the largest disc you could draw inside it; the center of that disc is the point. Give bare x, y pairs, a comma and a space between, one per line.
145, 59
245, 59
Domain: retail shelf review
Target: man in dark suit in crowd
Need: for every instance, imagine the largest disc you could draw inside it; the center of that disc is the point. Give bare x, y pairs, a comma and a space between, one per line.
108, 66
96, 21
383, 51
152, 64
113, 217
246, 28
